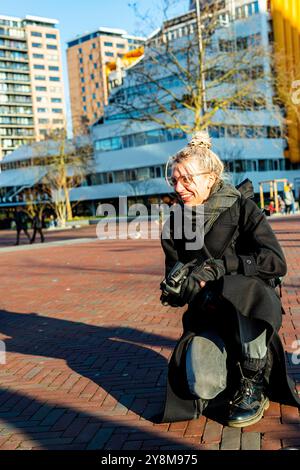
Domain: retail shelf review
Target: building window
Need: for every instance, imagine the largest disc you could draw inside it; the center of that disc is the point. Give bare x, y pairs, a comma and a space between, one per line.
97, 85
43, 121
54, 79
95, 66
41, 88
91, 56
109, 54
92, 76
52, 57
94, 45
108, 44
36, 34
42, 99
263, 165
42, 110
53, 68
94, 96
39, 67
84, 108
36, 44
121, 46
84, 99
51, 36
51, 46
83, 89
56, 100
82, 79
38, 56
57, 110
81, 70
55, 89
80, 50
40, 77
58, 121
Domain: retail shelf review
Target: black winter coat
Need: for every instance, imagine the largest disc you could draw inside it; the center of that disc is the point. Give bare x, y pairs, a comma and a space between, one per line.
243, 238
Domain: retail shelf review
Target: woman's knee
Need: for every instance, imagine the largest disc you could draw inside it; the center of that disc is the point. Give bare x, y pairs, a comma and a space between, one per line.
206, 368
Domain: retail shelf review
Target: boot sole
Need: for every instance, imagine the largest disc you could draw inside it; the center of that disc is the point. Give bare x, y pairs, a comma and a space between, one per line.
253, 420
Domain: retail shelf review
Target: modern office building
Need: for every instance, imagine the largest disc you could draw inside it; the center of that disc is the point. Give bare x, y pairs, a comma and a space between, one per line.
31, 84
87, 57
130, 155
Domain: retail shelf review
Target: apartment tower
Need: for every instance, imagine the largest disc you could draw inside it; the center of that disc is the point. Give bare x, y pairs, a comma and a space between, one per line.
87, 57
32, 99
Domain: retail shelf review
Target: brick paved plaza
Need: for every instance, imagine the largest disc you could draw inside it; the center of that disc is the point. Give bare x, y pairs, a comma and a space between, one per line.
88, 343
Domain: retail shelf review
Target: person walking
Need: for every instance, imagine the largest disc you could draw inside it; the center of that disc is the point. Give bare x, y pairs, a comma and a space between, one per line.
230, 356
37, 226
21, 223
289, 199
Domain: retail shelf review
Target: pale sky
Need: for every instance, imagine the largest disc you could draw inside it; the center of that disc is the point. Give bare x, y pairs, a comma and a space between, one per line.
79, 16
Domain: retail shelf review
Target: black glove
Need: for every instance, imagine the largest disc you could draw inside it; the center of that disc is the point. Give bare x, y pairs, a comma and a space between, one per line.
169, 300
211, 270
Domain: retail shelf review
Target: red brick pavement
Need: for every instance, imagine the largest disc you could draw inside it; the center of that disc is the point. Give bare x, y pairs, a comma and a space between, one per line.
87, 348
8, 237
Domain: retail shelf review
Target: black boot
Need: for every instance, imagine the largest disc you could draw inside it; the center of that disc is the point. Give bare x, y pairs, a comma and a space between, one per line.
249, 402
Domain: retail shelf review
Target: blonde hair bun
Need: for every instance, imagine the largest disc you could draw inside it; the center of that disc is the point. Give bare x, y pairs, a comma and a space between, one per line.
200, 139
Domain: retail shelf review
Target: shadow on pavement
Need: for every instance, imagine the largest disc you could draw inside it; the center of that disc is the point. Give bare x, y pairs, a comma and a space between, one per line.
50, 426
124, 362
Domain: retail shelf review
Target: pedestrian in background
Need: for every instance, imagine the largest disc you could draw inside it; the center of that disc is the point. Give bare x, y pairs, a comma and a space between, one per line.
21, 223
281, 205
289, 199
37, 226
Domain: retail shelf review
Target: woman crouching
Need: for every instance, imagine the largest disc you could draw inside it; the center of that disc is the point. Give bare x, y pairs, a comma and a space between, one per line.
230, 354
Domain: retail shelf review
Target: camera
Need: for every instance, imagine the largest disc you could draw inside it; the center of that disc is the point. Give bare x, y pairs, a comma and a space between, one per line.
172, 284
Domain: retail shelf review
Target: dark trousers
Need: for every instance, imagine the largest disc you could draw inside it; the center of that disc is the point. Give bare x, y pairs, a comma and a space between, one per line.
19, 230
34, 234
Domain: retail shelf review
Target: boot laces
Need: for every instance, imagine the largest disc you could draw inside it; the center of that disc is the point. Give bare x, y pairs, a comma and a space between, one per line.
246, 388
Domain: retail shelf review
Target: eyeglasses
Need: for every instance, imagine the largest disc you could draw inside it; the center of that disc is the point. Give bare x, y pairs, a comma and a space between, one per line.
185, 180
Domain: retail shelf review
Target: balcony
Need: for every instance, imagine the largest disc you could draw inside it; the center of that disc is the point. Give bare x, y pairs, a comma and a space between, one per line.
10, 56
8, 66
12, 92
13, 33
13, 45
16, 102
17, 125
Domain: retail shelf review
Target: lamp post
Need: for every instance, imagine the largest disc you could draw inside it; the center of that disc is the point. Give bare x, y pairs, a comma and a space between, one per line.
201, 56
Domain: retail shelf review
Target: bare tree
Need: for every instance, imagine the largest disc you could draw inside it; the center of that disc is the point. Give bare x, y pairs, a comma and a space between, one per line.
66, 164
189, 85
234, 163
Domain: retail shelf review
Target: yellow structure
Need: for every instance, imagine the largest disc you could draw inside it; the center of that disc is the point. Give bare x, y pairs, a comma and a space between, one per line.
115, 70
273, 191
127, 60
286, 28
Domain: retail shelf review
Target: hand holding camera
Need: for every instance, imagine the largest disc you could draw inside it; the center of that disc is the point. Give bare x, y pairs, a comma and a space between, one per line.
185, 281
